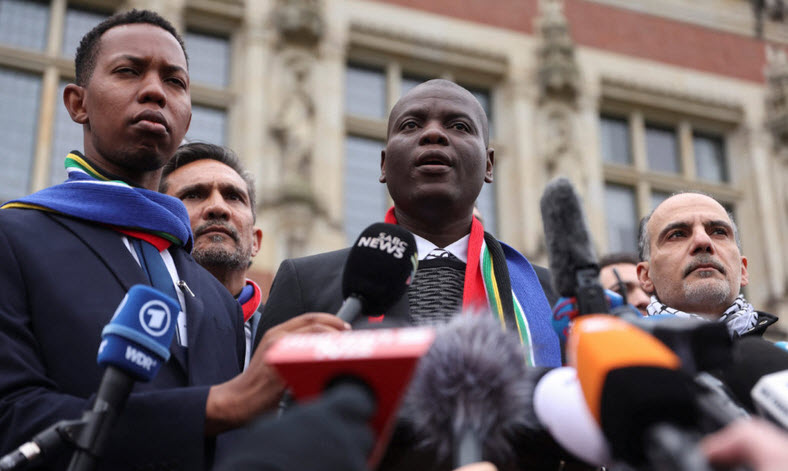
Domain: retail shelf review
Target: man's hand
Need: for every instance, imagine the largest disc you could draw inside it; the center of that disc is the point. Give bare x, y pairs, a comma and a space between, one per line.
234, 403
753, 443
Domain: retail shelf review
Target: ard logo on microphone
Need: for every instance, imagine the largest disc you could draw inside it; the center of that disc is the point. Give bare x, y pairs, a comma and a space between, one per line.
385, 243
155, 318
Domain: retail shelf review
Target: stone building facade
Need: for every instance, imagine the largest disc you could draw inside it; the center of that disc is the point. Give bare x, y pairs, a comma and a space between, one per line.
631, 99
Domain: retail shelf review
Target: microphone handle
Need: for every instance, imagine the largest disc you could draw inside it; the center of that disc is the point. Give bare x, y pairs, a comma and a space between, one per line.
351, 309
590, 294
113, 391
467, 447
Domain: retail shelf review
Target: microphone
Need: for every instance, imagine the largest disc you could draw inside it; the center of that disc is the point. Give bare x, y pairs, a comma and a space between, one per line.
758, 377
134, 345
471, 393
378, 271
648, 408
561, 409
570, 250
379, 362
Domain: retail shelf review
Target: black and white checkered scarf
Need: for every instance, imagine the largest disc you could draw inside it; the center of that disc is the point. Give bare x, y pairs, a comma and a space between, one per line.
740, 317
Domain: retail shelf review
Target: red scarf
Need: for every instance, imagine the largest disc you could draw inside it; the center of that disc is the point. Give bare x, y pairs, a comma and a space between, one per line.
474, 296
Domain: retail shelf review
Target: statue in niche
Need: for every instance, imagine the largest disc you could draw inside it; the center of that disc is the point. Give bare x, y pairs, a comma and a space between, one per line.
293, 124
560, 155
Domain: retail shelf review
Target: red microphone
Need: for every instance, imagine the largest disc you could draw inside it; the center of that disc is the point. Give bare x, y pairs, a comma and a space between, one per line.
382, 360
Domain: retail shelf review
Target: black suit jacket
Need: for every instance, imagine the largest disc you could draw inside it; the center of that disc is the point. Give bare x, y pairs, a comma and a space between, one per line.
314, 284
60, 282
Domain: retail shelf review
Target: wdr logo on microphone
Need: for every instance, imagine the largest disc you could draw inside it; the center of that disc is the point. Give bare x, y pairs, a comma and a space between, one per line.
155, 318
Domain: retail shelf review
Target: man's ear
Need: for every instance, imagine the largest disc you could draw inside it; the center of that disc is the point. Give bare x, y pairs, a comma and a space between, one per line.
745, 276
74, 99
488, 175
257, 239
382, 178
645, 277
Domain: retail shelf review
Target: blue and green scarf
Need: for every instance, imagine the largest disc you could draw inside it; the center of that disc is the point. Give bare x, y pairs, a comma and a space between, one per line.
90, 195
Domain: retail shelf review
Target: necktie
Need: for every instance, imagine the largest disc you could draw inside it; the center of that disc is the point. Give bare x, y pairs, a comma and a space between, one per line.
154, 267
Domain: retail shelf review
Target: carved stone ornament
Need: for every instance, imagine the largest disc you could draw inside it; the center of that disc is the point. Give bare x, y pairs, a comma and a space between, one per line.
777, 97
558, 72
299, 21
293, 124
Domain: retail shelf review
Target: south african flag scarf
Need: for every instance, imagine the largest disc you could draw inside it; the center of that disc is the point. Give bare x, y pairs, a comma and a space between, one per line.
90, 195
501, 280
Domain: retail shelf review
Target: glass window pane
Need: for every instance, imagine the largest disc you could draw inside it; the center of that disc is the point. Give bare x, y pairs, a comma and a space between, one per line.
658, 197
662, 149
410, 81
614, 140
78, 23
487, 205
364, 196
208, 125
365, 92
24, 23
209, 58
709, 158
19, 99
68, 137
620, 218
485, 100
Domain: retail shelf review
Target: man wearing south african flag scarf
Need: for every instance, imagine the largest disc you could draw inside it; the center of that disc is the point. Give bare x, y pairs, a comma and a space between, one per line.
437, 158
70, 253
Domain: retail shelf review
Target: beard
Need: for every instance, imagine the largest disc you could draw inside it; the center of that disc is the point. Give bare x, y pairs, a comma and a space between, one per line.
711, 292
222, 258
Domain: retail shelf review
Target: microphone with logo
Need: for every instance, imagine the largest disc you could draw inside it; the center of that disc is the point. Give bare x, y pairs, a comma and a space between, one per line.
378, 271
134, 346
650, 410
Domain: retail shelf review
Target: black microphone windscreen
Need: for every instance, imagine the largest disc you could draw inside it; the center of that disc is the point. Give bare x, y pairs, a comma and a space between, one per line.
569, 245
636, 398
380, 267
753, 358
473, 377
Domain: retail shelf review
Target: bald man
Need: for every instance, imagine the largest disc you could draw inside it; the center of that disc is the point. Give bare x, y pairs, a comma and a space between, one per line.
692, 265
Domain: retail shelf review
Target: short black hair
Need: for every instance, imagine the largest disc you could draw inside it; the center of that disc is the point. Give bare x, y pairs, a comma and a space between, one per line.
87, 52
195, 151
618, 257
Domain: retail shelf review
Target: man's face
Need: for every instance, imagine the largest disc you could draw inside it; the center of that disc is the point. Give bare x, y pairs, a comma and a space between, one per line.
222, 221
694, 264
136, 106
629, 277
435, 151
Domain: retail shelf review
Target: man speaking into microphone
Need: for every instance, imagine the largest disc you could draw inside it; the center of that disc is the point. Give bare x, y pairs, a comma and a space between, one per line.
436, 159
691, 264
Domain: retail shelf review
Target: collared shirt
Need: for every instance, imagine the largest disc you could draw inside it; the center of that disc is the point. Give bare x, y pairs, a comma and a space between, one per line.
458, 248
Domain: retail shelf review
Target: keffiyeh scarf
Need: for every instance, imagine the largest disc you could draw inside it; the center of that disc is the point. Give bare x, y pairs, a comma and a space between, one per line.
740, 317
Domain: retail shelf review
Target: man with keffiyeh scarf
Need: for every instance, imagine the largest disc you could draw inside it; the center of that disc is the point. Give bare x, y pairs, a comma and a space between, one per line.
692, 266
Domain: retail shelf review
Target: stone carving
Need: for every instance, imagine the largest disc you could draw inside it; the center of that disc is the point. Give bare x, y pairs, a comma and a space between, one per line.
776, 72
558, 72
299, 21
293, 123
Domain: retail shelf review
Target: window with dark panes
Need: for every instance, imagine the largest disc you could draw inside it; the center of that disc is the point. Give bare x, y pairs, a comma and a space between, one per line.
209, 58
208, 125
614, 140
24, 24
709, 157
20, 93
365, 198
78, 23
662, 149
365, 92
621, 218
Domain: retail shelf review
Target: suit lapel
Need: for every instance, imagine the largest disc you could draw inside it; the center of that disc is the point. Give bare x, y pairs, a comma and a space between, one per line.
110, 249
